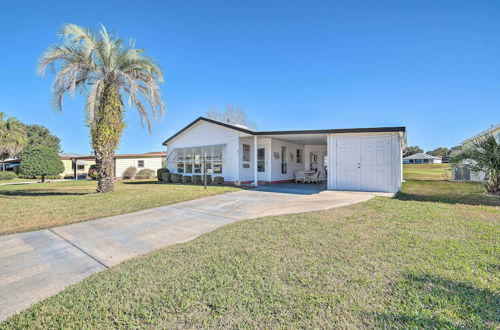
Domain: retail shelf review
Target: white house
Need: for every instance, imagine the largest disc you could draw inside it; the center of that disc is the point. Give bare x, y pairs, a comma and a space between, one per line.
421, 158
149, 160
366, 159
462, 171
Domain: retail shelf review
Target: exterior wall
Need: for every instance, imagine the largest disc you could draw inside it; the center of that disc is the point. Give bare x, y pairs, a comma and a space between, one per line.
204, 133
320, 150
292, 165
246, 173
68, 168
395, 158
121, 164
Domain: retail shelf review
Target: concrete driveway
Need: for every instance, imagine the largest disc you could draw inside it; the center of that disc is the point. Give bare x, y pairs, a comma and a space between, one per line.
38, 264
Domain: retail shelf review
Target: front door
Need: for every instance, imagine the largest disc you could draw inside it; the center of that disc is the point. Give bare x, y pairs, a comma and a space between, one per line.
262, 167
363, 164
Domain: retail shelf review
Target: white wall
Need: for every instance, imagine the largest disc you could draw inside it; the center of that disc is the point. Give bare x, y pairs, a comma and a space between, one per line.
152, 163
205, 133
292, 165
320, 150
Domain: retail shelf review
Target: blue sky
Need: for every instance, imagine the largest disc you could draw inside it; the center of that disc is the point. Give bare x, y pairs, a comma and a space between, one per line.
432, 66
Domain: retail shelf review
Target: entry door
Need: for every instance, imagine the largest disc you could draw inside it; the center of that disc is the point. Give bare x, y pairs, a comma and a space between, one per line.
363, 164
262, 165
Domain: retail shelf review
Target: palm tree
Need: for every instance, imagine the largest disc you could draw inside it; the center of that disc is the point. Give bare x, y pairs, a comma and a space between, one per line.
13, 138
101, 67
485, 154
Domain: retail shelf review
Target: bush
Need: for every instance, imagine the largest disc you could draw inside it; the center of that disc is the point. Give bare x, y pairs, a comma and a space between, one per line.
159, 173
166, 177
145, 174
129, 173
219, 180
7, 175
186, 179
196, 178
42, 161
176, 177
209, 179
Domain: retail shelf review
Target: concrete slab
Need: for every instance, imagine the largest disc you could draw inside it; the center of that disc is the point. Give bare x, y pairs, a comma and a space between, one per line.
38, 264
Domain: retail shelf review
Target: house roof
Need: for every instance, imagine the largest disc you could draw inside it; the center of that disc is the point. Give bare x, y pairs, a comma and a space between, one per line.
317, 131
145, 155
486, 131
421, 156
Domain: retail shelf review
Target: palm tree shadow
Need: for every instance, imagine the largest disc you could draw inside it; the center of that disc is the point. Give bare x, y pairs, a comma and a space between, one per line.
432, 301
38, 193
450, 199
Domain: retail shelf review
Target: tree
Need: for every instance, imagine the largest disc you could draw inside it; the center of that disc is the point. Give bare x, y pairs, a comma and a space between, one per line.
101, 67
411, 150
485, 156
39, 135
41, 161
13, 138
439, 152
232, 115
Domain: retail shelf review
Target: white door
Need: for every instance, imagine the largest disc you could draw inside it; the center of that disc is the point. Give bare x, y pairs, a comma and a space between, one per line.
262, 164
363, 164
348, 164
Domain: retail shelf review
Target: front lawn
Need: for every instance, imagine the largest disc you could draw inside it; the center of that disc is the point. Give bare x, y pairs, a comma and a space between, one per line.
383, 263
17, 180
35, 206
426, 171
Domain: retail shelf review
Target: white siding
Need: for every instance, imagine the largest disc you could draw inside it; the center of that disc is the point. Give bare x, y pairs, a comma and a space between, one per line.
152, 163
205, 133
320, 150
292, 165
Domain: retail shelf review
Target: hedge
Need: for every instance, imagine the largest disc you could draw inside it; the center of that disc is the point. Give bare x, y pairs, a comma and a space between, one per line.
186, 179
219, 180
159, 173
196, 178
166, 177
176, 177
7, 175
129, 173
145, 174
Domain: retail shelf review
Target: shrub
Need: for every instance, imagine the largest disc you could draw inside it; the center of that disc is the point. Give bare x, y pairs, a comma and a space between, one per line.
94, 175
186, 179
145, 174
129, 173
166, 177
196, 178
219, 180
209, 179
159, 173
176, 177
7, 175
42, 161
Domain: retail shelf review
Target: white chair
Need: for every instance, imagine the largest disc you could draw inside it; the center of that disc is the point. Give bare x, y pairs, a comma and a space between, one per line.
314, 178
300, 176
322, 177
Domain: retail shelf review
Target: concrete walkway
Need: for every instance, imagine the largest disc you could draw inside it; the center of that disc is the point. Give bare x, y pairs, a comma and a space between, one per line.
38, 264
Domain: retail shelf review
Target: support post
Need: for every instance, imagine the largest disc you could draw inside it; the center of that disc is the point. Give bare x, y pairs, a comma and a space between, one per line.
255, 155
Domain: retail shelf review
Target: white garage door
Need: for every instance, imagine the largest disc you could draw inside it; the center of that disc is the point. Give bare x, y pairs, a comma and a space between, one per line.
363, 164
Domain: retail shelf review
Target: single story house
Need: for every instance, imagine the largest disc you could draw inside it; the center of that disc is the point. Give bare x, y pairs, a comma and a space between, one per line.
462, 171
79, 165
421, 158
363, 159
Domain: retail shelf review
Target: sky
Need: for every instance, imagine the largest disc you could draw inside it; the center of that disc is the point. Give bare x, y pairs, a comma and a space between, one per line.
432, 66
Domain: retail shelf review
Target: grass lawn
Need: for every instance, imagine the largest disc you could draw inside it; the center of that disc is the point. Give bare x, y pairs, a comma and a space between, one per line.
425, 171
414, 261
18, 180
35, 206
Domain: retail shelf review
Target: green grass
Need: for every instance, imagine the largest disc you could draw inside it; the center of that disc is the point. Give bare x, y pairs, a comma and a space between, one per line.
18, 180
35, 206
403, 262
426, 171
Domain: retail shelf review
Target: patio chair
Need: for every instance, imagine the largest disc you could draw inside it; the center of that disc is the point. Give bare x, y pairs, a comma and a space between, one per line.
314, 178
322, 177
300, 176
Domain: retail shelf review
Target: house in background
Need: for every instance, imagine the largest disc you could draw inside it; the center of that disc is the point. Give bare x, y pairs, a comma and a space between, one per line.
462, 171
77, 165
365, 159
421, 158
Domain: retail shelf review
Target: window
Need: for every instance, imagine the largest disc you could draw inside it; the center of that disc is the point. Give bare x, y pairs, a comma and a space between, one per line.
283, 160
261, 160
246, 153
140, 163
299, 156
80, 167
192, 160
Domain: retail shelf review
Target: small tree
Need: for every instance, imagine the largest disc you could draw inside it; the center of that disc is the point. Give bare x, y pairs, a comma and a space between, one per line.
13, 138
485, 156
232, 115
42, 161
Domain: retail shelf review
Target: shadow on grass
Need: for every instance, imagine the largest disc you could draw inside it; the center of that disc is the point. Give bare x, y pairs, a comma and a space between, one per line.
449, 198
38, 193
431, 301
142, 182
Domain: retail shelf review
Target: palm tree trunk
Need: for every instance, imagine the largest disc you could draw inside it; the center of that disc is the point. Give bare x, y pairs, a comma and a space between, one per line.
106, 131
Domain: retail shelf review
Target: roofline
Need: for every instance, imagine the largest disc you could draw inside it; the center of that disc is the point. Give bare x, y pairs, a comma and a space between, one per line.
484, 132
317, 131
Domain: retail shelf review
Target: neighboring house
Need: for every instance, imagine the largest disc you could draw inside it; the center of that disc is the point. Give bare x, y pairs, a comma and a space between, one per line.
421, 158
366, 159
76, 165
79, 165
462, 171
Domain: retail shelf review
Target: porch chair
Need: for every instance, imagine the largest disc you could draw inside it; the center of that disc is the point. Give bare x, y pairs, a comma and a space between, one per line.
300, 176
322, 177
313, 178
